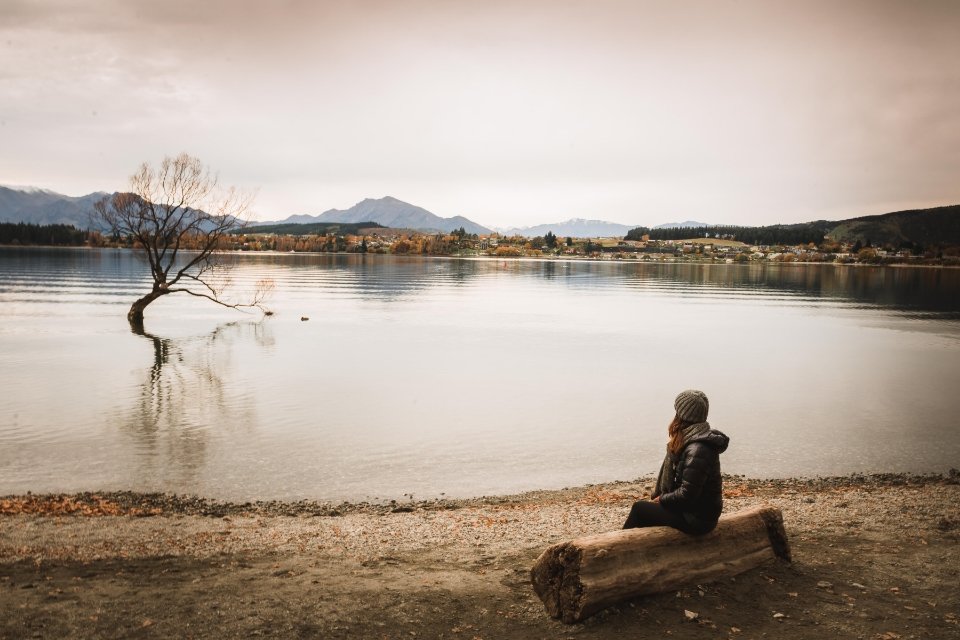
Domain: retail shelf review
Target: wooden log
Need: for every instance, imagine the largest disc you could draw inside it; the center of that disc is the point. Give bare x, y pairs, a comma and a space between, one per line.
579, 578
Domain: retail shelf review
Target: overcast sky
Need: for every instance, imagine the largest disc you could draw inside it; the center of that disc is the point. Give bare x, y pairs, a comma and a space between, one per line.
510, 113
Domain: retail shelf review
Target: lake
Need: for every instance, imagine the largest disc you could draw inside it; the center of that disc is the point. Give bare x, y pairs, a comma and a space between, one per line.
465, 377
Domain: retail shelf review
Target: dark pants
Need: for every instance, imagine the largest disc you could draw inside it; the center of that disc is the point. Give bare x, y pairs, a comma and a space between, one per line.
645, 513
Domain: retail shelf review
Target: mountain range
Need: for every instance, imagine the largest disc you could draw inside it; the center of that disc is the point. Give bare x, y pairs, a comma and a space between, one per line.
389, 212
42, 206
939, 225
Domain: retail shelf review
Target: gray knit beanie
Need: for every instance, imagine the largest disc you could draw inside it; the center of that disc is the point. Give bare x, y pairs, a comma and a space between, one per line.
692, 405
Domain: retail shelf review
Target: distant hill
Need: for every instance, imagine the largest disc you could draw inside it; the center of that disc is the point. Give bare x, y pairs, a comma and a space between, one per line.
580, 228
789, 234
311, 228
389, 212
939, 225
925, 227
934, 226
574, 228
677, 225
42, 206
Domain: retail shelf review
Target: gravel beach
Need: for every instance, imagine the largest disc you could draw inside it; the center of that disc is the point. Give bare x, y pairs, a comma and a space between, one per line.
874, 557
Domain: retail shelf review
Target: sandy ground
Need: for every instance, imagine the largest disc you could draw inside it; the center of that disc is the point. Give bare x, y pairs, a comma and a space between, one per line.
874, 557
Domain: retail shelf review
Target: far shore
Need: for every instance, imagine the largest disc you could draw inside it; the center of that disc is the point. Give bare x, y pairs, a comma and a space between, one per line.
874, 557
545, 258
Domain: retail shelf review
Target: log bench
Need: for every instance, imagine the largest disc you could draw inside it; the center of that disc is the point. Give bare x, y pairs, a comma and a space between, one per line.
578, 578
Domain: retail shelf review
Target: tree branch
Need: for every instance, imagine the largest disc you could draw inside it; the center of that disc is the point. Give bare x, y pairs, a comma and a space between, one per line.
257, 302
173, 208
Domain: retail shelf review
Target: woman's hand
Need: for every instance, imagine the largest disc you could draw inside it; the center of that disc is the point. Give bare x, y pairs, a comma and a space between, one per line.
656, 500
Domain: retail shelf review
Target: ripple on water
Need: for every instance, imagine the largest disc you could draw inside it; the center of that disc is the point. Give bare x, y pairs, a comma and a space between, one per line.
464, 377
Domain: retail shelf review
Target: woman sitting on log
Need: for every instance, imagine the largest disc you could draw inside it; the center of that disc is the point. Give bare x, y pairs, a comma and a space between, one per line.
689, 491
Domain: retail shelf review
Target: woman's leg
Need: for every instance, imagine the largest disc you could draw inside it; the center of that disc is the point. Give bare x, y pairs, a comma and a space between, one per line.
650, 514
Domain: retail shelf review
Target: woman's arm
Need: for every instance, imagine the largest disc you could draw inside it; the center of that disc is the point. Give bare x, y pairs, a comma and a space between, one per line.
696, 460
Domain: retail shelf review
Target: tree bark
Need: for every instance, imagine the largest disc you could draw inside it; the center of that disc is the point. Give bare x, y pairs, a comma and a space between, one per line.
579, 578
135, 315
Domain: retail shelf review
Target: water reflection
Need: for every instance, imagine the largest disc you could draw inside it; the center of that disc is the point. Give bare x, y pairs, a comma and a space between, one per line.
380, 277
899, 288
187, 399
465, 376
29, 271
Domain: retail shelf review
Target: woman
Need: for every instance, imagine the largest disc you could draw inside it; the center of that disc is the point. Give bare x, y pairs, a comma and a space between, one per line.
689, 491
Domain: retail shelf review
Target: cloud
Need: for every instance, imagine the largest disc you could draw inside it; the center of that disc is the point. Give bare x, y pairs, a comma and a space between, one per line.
736, 112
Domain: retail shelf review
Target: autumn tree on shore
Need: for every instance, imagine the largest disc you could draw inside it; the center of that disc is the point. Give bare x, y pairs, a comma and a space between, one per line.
176, 214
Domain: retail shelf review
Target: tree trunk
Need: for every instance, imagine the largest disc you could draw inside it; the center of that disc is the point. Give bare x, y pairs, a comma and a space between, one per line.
579, 578
135, 315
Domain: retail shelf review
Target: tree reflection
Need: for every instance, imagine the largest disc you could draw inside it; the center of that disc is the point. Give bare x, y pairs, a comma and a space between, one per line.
186, 400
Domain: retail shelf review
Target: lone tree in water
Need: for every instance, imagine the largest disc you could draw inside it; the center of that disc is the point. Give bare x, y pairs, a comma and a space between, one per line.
177, 214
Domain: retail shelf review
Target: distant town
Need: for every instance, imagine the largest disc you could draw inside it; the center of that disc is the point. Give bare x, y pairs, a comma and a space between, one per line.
387, 225
702, 249
715, 248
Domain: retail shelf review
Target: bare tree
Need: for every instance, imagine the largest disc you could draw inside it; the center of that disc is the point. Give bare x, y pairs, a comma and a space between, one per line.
177, 214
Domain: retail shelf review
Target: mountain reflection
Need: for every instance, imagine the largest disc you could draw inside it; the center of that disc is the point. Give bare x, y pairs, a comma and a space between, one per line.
185, 400
898, 288
376, 277
390, 278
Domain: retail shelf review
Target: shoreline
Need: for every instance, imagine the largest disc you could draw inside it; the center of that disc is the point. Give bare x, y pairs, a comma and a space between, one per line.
526, 258
151, 503
874, 557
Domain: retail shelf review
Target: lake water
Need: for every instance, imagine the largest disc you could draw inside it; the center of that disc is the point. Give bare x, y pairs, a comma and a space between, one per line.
431, 376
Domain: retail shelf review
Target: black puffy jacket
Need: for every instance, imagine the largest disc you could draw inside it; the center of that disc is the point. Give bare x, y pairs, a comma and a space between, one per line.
698, 487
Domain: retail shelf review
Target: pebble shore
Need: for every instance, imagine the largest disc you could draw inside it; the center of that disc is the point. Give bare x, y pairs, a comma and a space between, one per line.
163, 524
875, 557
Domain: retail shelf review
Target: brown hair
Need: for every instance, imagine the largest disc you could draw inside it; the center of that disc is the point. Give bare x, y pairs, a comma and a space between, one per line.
675, 431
